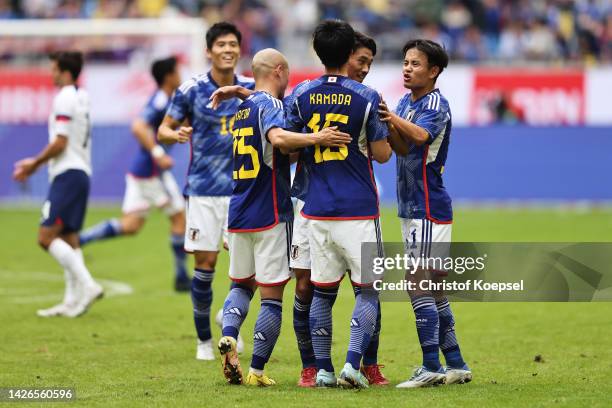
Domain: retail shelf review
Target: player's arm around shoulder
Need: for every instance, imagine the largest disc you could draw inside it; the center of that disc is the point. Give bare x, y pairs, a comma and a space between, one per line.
377, 132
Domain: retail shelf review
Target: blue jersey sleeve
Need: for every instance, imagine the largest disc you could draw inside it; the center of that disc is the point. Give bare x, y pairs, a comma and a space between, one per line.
179, 106
271, 116
401, 105
294, 118
375, 129
433, 121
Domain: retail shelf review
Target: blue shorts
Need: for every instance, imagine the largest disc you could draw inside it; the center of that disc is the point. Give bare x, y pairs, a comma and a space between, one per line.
67, 201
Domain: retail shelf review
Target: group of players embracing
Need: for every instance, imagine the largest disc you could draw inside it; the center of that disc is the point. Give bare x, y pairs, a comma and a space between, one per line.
333, 126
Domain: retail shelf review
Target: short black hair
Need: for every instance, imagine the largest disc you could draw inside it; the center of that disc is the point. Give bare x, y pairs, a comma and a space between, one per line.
436, 54
71, 61
219, 29
161, 68
333, 41
363, 41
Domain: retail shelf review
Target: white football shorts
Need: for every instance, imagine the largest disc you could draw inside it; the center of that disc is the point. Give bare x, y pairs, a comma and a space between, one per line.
206, 222
160, 191
300, 248
426, 239
263, 255
335, 246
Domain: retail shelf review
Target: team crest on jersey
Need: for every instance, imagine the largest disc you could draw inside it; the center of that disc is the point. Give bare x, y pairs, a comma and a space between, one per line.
295, 251
194, 234
410, 115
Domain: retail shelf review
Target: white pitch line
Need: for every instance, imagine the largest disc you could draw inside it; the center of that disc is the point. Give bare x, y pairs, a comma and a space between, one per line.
111, 288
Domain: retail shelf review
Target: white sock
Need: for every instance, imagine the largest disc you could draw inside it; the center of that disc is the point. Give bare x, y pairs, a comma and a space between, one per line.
71, 260
70, 291
255, 371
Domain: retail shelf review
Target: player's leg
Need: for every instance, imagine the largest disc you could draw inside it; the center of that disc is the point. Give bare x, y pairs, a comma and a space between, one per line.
174, 207
136, 205
202, 236
370, 367
349, 236
417, 239
63, 212
300, 265
271, 254
46, 235
457, 371
326, 273
86, 290
237, 302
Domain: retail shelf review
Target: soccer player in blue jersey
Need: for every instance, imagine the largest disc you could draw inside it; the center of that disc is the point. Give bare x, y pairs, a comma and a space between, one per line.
359, 64
149, 182
341, 202
191, 118
422, 124
260, 214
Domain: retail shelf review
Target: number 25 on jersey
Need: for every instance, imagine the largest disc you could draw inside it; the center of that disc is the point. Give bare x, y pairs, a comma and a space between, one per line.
240, 148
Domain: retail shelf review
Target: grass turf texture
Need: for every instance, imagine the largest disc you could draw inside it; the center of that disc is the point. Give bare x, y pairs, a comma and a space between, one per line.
138, 350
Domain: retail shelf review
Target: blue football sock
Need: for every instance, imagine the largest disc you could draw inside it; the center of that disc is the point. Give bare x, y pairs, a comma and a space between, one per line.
201, 297
235, 309
267, 329
427, 324
448, 339
301, 312
370, 355
362, 325
321, 326
104, 230
178, 242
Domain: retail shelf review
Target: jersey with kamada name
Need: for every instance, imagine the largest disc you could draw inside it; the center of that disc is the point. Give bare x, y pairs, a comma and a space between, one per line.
70, 118
420, 191
340, 181
153, 113
210, 167
299, 186
261, 197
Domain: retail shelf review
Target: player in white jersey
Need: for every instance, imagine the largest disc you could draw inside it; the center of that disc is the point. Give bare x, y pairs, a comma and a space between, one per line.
69, 157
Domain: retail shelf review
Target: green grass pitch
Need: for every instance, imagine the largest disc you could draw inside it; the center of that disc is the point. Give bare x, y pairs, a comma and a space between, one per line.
138, 349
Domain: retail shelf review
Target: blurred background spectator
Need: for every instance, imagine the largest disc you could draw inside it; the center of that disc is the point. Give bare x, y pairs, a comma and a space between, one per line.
562, 32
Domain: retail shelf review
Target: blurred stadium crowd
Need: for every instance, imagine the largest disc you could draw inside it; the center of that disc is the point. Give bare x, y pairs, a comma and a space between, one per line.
476, 31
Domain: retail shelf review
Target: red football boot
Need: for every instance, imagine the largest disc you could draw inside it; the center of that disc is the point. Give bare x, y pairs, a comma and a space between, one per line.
373, 374
308, 377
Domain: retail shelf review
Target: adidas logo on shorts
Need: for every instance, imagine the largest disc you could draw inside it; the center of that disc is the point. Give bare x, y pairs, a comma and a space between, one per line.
354, 323
259, 336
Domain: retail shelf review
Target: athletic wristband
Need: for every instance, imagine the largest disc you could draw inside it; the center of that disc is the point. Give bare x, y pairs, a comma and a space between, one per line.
158, 152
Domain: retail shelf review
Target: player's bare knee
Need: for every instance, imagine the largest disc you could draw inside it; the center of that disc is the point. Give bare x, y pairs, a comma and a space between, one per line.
272, 292
205, 259
304, 289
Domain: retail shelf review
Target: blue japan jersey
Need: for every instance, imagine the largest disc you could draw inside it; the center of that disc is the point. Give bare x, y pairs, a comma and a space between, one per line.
210, 166
261, 197
153, 113
299, 187
340, 180
420, 191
